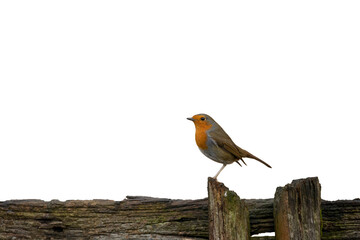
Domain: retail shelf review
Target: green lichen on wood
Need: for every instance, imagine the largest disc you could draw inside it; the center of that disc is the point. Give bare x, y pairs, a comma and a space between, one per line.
232, 200
237, 216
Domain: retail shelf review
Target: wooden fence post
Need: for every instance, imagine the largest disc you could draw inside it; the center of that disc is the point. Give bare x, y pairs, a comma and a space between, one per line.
228, 215
297, 210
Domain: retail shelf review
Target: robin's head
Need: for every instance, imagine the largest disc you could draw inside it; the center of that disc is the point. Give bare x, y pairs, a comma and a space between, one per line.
202, 120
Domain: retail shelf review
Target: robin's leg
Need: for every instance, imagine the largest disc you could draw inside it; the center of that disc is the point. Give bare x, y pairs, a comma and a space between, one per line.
223, 166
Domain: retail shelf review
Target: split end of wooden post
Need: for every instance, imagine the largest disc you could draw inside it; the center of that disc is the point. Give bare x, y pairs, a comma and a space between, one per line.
297, 209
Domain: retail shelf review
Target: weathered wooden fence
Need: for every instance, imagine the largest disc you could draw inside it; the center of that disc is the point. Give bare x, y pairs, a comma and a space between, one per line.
296, 212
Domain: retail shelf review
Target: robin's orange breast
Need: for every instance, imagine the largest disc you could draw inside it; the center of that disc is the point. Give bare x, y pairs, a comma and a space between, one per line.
201, 136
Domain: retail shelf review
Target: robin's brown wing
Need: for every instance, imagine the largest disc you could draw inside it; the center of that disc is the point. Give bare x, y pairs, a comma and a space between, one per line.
224, 141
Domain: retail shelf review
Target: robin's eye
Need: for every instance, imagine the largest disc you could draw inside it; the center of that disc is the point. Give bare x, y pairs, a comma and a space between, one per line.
202, 118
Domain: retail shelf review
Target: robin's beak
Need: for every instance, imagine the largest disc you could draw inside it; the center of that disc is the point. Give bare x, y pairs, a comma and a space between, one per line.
191, 119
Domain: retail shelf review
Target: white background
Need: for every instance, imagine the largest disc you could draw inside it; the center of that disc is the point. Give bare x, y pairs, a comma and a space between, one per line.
94, 96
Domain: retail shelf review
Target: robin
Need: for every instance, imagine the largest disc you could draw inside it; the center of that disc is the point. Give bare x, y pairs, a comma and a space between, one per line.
214, 143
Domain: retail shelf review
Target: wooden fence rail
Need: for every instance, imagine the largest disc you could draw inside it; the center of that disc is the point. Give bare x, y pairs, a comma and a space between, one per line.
158, 218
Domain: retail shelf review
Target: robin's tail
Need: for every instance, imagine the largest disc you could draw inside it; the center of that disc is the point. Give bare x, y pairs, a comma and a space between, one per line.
249, 155
258, 159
